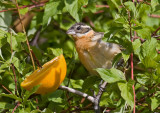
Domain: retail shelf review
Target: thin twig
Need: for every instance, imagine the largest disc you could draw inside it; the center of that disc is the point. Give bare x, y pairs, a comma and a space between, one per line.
154, 33
37, 61
37, 102
154, 16
25, 35
6, 89
90, 98
18, 103
156, 36
98, 97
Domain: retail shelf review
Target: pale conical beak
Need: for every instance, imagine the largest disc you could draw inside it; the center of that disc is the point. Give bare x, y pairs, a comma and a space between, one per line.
71, 32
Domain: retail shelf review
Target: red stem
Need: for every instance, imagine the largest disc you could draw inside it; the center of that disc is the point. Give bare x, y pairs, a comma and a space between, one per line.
16, 107
131, 56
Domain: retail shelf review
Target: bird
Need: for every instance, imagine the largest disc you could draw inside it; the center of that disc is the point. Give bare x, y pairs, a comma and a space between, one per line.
92, 51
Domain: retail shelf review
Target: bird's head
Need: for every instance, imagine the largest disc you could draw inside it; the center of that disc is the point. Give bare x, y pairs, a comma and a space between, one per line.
80, 30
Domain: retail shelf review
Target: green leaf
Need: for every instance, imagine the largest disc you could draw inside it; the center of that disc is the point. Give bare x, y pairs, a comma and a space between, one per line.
5, 20
74, 8
4, 105
90, 81
116, 3
154, 103
149, 48
149, 63
111, 75
55, 51
127, 92
11, 96
23, 11
143, 10
56, 96
17, 64
47, 110
125, 55
131, 7
51, 9
3, 37
29, 93
76, 83
142, 78
136, 47
121, 20
144, 33
155, 4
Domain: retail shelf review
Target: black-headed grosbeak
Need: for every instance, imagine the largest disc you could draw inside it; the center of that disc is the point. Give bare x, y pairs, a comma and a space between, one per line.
92, 51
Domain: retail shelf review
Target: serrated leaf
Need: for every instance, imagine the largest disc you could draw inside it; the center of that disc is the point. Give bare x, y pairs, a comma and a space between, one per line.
17, 64
144, 33
131, 7
125, 55
142, 78
126, 92
111, 75
149, 48
149, 63
74, 8
90, 81
29, 93
51, 9
136, 46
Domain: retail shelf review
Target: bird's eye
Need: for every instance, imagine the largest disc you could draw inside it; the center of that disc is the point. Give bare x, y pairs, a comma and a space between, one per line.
78, 28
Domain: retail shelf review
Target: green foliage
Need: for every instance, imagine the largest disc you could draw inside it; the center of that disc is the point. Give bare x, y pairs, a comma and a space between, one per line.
46, 32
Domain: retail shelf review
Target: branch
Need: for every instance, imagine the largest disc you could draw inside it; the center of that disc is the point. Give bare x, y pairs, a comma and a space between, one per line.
25, 34
154, 33
90, 98
154, 16
98, 97
6, 89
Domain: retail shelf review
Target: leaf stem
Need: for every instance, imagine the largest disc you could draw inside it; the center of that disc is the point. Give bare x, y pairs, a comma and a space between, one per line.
90, 98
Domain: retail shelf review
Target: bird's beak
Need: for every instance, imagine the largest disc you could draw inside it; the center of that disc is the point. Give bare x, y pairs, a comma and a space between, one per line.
70, 32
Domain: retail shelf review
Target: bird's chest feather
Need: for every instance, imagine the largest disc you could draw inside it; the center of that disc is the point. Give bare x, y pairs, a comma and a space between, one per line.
95, 54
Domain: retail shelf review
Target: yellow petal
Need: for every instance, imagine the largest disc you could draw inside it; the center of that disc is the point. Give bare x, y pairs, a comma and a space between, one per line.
49, 77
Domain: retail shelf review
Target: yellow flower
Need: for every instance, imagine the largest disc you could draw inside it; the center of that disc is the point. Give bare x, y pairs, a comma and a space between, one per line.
49, 77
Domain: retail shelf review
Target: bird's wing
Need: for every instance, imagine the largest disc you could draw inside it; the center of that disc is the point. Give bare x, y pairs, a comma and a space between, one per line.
97, 36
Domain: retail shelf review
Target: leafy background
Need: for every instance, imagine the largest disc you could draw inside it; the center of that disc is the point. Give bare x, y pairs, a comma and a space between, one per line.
46, 23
